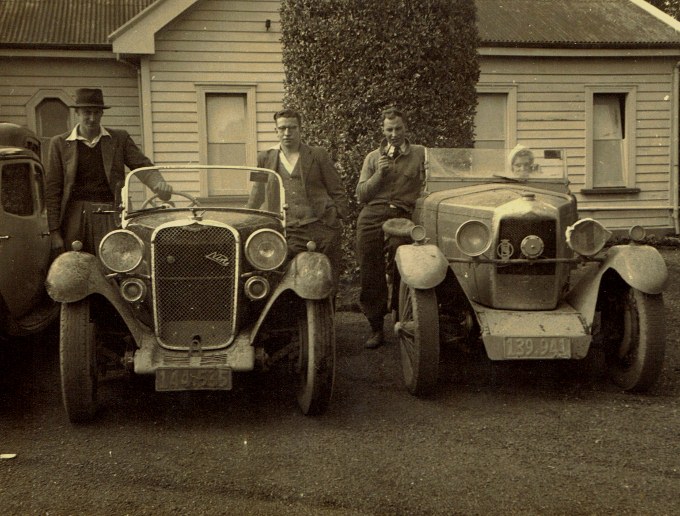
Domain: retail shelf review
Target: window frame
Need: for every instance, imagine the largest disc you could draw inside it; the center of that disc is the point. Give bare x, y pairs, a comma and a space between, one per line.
202, 91
510, 92
629, 137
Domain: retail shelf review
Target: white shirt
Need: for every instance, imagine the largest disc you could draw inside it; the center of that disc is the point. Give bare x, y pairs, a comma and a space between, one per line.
75, 136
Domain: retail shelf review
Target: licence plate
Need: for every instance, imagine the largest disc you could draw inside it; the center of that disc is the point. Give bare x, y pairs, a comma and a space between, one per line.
537, 347
193, 378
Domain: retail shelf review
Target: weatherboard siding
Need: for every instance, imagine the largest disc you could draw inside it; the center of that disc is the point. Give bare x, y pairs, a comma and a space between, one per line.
218, 42
25, 77
551, 113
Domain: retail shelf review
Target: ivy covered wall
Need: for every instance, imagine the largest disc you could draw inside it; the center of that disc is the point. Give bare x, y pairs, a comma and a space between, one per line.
346, 60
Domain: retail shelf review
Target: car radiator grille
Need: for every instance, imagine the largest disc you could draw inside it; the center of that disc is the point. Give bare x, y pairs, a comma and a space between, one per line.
195, 270
515, 230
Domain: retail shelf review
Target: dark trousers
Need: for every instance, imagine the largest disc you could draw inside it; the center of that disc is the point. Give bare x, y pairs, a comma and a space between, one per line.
82, 222
371, 252
327, 239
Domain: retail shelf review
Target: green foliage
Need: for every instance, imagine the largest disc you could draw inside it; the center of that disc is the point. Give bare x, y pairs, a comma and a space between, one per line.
346, 60
670, 7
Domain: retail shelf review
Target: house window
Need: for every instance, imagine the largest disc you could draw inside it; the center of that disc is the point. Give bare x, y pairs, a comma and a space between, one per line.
491, 121
610, 139
228, 135
52, 117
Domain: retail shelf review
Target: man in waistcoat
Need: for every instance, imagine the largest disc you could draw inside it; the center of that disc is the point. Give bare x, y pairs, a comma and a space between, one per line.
85, 171
391, 180
315, 194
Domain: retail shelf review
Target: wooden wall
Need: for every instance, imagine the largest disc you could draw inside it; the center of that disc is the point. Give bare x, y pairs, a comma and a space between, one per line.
551, 113
224, 42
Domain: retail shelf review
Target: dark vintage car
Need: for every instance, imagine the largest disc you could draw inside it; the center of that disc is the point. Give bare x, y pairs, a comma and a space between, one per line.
25, 307
193, 290
510, 266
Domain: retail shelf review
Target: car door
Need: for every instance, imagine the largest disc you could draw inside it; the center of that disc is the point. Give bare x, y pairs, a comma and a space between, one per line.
24, 235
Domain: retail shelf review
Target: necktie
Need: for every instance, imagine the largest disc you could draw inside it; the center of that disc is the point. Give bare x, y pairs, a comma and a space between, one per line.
396, 152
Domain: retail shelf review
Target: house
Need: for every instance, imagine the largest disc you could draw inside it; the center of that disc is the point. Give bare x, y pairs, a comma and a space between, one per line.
199, 80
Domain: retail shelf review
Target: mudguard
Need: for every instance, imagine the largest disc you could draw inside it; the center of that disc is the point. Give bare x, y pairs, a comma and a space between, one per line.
309, 275
421, 266
640, 266
74, 275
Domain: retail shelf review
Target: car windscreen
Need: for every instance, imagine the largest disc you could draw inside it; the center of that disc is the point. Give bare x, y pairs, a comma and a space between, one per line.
520, 164
204, 187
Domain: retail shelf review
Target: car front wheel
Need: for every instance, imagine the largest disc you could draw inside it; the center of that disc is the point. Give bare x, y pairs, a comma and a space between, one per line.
78, 362
418, 334
634, 339
316, 367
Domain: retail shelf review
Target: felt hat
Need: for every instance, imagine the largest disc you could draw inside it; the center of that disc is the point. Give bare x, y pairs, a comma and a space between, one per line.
90, 97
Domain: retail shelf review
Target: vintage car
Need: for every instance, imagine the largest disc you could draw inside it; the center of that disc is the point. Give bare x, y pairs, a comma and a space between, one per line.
25, 307
501, 259
194, 289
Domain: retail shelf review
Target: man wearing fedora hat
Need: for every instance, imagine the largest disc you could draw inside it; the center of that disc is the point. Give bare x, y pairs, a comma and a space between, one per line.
84, 173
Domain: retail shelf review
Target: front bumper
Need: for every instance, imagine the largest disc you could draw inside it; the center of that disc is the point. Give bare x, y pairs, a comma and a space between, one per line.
533, 335
239, 356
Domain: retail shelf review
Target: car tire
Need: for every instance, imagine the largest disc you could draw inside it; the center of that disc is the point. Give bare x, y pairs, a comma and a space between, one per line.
418, 334
78, 361
634, 342
316, 367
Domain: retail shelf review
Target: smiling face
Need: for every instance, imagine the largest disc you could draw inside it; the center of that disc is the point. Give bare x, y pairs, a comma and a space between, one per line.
89, 119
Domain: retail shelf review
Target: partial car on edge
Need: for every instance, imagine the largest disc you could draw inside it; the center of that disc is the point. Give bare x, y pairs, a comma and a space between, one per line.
25, 307
194, 289
502, 260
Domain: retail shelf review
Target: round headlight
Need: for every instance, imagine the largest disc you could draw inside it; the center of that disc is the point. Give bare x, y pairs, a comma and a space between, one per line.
473, 238
266, 249
121, 250
587, 237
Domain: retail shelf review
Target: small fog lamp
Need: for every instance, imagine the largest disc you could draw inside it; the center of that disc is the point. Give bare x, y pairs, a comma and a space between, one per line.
256, 288
587, 237
418, 234
473, 238
637, 233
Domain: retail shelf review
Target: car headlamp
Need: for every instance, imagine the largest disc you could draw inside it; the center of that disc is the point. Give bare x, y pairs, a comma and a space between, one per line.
266, 249
473, 238
587, 237
121, 250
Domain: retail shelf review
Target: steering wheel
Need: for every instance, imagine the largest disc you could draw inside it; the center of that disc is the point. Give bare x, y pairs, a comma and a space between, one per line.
190, 197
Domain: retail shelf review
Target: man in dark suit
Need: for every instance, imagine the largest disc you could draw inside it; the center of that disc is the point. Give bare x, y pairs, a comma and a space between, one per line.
315, 194
85, 171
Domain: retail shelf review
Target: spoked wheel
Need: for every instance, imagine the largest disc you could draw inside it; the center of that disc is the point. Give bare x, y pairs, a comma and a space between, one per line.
634, 339
316, 332
418, 334
78, 361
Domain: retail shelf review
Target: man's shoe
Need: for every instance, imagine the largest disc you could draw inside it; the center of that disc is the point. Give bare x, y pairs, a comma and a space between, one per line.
376, 340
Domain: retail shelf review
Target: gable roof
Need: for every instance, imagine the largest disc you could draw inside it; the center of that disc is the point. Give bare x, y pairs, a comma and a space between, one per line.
87, 24
64, 24
575, 24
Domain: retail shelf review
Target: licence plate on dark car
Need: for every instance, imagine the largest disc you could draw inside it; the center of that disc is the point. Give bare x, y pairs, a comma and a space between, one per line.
537, 347
193, 378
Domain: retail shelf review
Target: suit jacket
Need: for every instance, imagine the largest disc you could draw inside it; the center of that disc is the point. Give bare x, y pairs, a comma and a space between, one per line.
118, 151
321, 182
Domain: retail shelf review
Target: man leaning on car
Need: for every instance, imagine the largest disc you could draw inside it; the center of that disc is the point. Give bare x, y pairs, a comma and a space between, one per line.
390, 182
315, 194
84, 173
